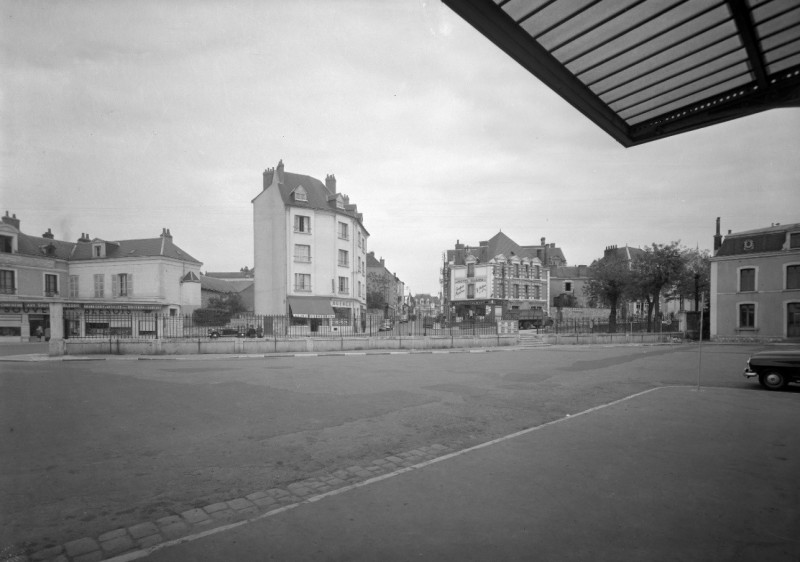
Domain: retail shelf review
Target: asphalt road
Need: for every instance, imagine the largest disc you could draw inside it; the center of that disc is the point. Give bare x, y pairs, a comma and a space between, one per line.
91, 446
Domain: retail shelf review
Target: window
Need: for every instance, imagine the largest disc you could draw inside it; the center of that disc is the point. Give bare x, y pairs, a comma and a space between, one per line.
302, 224
73, 286
747, 279
6, 244
470, 270
99, 282
359, 289
343, 233
300, 194
527, 295
794, 240
122, 285
344, 259
516, 291
537, 272
302, 282
793, 276
567, 286
516, 270
343, 289
471, 291
302, 253
97, 251
7, 282
747, 315
536, 292
50, 284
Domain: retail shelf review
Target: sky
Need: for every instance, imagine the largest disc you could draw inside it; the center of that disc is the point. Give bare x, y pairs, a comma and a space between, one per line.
122, 117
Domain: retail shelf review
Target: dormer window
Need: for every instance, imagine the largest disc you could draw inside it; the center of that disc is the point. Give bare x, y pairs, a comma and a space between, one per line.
300, 194
98, 251
339, 204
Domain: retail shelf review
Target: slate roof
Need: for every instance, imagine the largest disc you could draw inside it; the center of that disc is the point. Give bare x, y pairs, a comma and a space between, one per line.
317, 193
768, 239
231, 274
144, 247
501, 243
79, 251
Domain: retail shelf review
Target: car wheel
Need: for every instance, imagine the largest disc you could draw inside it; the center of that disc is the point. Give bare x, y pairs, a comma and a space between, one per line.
773, 380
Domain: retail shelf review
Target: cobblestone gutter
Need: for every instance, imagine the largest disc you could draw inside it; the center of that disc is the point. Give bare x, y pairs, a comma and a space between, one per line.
116, 543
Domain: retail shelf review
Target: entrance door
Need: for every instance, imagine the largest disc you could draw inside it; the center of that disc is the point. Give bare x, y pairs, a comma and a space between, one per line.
793, 320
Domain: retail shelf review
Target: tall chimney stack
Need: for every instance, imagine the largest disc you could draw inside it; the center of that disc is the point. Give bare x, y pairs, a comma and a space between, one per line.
717, 239
330, 183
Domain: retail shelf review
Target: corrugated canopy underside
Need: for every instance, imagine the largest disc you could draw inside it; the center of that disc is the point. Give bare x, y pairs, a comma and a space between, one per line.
644, 69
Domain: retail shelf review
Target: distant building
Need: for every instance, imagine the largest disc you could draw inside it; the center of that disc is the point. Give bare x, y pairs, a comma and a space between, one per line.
384, 289
310, 252
497, 276
426, 304
566, 286
94, 286
212, 286
755, 284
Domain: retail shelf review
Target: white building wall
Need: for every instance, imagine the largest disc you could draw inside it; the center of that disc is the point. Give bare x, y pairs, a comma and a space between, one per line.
271, 235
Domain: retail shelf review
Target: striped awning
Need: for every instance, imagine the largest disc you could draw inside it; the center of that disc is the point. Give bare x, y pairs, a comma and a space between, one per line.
311, 307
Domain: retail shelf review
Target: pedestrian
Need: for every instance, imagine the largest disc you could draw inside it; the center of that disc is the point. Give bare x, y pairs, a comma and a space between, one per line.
38, 332
47, 334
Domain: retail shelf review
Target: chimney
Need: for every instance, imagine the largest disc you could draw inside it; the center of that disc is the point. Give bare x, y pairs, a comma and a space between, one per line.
48, 234
382, 262
13, 221
165, 233
268, 174
543, 244
279, 171
717, 238
330, 183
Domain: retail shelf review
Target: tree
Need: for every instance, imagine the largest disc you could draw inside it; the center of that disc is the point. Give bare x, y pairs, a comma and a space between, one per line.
609, 281
230, 302
695, 278
656, 269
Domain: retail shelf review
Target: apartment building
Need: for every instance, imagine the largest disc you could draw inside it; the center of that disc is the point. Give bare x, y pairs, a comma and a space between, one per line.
93, 286
755, 284
310, 249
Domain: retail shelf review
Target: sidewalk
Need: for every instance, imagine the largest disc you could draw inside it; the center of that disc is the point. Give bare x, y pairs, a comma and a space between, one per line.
668, 474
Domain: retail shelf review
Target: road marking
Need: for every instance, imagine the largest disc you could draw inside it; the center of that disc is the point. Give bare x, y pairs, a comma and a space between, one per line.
137, 554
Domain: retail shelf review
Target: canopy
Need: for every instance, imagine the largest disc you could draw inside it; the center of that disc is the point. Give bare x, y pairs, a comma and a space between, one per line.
311, 307
643, 70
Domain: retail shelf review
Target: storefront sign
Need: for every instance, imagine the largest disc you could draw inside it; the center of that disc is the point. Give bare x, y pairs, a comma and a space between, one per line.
24, 308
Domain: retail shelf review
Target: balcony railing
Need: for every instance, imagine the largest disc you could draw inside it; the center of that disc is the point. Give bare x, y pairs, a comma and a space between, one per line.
8, 291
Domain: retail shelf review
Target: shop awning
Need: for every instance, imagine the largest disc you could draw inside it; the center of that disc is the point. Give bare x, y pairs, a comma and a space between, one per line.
311, 307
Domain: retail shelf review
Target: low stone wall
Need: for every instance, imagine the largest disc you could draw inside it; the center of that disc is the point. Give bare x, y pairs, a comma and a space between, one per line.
200, 346
620, 338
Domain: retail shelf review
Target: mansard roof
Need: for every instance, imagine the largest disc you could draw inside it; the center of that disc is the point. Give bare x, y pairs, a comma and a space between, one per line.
762, 240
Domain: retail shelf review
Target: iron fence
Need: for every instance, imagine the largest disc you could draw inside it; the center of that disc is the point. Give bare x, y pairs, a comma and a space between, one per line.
146, 325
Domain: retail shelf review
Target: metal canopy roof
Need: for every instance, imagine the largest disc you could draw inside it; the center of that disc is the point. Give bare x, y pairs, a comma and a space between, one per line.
646, 69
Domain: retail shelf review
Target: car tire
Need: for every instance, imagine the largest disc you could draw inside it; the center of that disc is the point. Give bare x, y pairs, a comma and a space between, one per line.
772, 380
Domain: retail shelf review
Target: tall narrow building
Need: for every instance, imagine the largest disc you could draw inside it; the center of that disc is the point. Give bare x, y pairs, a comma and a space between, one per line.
310, 253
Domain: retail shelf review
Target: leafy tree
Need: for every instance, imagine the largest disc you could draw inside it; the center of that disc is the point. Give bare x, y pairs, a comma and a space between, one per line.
210, 317
655, 270
695, 278
230, 302
609, 281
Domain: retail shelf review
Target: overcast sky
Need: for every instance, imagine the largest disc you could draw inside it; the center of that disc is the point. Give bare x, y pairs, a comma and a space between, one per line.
122, 117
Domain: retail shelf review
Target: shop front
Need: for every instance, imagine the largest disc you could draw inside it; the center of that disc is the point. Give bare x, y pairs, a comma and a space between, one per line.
111, 321
24, 321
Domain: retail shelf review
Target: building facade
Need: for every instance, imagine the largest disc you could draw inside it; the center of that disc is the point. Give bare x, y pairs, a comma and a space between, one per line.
755, 285
93, 286
385, 290
497, 277
310, 249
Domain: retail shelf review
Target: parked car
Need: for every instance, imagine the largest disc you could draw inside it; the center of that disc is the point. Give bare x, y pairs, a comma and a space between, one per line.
236, 332
386, 326
775, 368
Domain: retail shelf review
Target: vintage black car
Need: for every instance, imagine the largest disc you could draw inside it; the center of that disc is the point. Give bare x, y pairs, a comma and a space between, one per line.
775, 368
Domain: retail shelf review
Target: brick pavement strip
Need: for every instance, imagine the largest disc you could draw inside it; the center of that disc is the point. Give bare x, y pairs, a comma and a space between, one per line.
195, 516
149, 534
47, 553
117, 545
239, 504
81, 546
